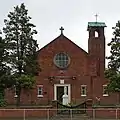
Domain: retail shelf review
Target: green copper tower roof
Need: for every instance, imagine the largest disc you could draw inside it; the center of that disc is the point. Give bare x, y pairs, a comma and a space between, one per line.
96, 24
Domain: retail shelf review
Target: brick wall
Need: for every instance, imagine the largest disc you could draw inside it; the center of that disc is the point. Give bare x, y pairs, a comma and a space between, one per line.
79, 67
109, 113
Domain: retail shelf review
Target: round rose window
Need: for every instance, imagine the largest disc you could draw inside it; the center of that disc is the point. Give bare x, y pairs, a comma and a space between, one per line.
61, 60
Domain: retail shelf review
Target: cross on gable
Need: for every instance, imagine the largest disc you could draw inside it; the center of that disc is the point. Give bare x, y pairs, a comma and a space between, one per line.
61, 29
96, 17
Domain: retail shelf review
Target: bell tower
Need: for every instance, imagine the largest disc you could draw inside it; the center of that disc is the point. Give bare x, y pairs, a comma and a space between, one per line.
96, 47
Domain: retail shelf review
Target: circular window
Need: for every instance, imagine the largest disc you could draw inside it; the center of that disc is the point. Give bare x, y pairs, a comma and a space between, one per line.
61, 60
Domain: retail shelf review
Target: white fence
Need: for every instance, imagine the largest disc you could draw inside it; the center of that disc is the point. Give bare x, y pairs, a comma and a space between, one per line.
60, 114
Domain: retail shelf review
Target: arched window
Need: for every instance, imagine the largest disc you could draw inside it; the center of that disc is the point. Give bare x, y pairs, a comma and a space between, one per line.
96, 34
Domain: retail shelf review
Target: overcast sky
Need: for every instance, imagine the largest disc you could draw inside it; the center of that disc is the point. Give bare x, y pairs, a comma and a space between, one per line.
73, 15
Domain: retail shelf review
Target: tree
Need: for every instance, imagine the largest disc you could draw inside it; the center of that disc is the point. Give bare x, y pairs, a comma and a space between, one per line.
5, 80
22, 48
113, 71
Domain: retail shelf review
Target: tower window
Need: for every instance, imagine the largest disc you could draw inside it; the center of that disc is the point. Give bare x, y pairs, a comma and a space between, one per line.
96, 34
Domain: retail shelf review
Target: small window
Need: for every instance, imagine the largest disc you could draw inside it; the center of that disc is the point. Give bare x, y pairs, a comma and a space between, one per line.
105, 92
83, 90
40, 90
15, 92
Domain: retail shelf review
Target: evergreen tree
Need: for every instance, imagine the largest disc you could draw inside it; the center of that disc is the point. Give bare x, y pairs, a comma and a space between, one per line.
22, 48
4, 72
113, 71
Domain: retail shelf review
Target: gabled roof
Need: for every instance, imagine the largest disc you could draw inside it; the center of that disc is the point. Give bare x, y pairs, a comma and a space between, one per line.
62, 37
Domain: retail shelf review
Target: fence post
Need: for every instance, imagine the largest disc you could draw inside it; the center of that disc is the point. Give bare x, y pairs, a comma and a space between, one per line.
24, 114
116, 115
71, 114
48, 115
93, 114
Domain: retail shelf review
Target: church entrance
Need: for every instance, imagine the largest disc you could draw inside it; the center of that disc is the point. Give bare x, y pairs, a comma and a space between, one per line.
59, 90
60, 93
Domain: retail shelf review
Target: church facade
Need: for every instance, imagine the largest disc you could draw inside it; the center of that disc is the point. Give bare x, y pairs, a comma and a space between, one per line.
65, 67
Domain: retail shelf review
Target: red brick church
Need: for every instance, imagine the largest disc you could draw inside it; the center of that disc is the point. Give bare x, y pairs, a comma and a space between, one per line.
65, 64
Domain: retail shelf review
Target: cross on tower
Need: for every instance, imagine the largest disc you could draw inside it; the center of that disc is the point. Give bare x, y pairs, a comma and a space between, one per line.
61, 29
96, 17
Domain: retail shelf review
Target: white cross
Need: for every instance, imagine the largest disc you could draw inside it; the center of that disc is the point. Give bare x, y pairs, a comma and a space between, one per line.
96, 17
